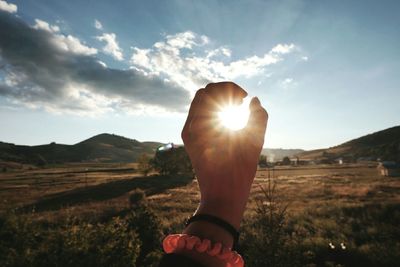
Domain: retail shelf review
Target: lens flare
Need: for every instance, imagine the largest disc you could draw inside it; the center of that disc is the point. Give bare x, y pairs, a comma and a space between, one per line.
235, 117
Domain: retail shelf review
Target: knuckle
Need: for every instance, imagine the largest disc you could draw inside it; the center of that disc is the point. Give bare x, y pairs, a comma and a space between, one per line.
209, 85
200, 91
184, 135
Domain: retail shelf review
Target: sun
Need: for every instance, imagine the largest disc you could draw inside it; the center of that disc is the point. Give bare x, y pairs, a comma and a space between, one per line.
234, 117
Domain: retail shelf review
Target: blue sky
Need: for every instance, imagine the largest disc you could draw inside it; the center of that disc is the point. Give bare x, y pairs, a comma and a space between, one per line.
326, 71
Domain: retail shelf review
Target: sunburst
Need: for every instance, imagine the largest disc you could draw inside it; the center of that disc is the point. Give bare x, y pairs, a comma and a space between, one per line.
234, 117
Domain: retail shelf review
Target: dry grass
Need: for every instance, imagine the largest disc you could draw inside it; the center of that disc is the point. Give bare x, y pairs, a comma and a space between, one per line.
299, 186
350, 204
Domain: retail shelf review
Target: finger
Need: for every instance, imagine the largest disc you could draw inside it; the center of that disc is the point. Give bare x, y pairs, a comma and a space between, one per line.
257, 123
225, 93
194, 107
216, 95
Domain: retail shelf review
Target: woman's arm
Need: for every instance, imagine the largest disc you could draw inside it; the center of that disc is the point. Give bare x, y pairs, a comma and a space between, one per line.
225, 163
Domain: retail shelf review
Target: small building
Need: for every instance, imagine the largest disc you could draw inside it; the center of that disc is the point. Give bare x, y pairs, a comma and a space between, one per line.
389, 168
339, 161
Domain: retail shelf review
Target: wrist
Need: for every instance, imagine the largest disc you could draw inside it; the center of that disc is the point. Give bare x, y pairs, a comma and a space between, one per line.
229, 211
207, 230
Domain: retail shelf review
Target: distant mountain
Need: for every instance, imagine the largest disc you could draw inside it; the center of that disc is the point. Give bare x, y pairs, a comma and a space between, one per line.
275, 154
113, 148
99, 148
384, 145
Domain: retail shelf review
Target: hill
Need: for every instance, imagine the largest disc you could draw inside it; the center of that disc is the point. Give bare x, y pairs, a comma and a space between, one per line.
384, 145
113, 148
99, 148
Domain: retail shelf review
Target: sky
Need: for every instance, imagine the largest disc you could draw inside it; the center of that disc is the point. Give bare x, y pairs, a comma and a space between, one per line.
326, 71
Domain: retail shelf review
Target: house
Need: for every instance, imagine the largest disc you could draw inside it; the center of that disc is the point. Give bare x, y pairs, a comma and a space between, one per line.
389, 168
339, 161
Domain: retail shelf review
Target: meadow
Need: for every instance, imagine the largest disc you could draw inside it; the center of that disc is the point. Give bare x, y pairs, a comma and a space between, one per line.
323, 215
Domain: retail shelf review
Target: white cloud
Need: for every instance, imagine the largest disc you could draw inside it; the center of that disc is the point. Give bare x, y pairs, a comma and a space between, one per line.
181, 40
67, 43
98, 25
141, 56
288, 83
8, 7
225, 51
112, 46
283, 48
305, 58
104, 65
43, 25
72, 44
80, 100
184, 59
219, 51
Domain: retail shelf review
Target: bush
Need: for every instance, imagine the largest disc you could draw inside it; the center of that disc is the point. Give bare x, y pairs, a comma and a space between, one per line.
286, 161
137, 197
145, 222
144, 164
27, 243
262, 161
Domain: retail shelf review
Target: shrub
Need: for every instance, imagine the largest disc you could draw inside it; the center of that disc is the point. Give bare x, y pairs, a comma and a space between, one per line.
262, 161
28, 243
137, 197
145, 222
286, 161
144, 164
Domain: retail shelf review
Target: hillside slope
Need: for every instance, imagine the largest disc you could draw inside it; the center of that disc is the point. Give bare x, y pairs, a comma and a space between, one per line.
99, 148
384, 145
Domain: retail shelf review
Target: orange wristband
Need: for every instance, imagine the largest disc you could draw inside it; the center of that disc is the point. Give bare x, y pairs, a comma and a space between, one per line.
178, 242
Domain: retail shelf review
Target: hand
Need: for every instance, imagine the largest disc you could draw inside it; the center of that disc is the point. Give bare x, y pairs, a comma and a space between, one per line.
224, 161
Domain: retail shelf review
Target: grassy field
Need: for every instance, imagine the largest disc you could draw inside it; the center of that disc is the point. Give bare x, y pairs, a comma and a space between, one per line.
326, 205
94, 189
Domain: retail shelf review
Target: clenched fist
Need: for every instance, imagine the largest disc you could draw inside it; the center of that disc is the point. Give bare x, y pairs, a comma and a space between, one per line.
225, 161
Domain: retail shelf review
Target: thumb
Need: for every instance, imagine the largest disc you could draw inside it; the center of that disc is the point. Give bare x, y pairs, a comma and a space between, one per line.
257, 123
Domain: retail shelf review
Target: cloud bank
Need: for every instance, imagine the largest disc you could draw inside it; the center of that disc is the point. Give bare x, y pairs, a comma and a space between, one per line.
42, 68
185, 59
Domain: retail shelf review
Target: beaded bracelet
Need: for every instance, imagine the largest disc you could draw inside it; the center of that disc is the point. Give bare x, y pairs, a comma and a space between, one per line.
177, 242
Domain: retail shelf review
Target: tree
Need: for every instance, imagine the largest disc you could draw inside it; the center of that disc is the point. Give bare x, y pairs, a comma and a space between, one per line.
144, 164
172, 161
286, 161
262, 161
